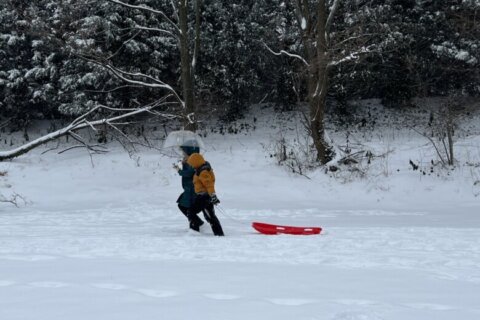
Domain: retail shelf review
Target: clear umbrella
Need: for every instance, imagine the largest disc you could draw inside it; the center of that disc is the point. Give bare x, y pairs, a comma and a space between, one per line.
182, 138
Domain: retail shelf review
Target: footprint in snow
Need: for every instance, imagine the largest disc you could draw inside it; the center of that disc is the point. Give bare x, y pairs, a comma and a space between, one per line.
291, 302
48, 284
221, 296
156, 293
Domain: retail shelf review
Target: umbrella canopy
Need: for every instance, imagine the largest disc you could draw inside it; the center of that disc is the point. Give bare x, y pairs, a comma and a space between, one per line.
182, 138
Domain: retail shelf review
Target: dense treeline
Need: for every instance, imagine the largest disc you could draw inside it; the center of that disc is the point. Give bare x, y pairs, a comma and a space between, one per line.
401, 49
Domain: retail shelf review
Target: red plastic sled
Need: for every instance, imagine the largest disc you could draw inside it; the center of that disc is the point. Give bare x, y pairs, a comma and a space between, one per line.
266, 228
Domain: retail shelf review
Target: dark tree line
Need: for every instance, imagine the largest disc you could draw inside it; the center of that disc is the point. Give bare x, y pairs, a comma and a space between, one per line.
401, 49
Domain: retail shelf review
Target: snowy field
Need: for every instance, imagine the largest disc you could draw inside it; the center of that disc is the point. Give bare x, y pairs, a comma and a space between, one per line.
105, 241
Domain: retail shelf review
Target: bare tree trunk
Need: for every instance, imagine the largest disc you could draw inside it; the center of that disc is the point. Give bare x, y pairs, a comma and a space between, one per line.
196, 49
450, 132
187, 75
316, 50
450, 146
322, 85
179, 30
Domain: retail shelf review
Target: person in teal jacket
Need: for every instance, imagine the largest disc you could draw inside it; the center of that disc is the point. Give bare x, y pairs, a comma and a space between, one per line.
186, 199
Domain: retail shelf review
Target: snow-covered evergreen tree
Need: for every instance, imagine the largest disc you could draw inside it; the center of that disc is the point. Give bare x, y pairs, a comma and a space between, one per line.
415, 48
107, 32
419, 48
27, 65
456, 48
236, 69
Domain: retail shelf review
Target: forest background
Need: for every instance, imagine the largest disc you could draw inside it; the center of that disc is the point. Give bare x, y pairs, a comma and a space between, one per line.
63, 59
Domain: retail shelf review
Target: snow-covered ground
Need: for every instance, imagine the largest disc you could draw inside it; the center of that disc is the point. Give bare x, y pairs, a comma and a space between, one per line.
107, 242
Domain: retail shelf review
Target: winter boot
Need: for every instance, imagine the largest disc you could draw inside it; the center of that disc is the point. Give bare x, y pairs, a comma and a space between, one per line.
195, 222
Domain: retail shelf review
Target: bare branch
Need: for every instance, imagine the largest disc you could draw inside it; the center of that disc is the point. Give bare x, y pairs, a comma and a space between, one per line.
331, 15
190, 117
145, 8
287, 54
123, 75
120, 132
14, 199
77, 124
83, 146
5, 123
79, 119
352, 56
90, 124
156, 30
175, 10
339, 45
114, 89
77, 137
123, 45
439, 153
51, 149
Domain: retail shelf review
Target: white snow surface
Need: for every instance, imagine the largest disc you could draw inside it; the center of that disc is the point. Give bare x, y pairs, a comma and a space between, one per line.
107, 241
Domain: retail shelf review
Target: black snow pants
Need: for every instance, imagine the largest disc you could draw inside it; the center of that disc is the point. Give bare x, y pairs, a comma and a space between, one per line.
203, 203
193, 218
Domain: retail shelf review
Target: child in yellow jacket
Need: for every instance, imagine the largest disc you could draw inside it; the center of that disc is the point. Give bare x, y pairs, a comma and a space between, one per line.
205, 196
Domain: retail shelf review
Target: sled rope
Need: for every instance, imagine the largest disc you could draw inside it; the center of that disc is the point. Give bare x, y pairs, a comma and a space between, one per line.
229, 216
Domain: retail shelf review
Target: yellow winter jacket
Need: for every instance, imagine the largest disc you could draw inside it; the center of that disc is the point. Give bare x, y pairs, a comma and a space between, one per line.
204, 178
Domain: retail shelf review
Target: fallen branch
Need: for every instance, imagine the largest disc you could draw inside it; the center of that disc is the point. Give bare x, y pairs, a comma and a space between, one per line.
14, 199
77, 124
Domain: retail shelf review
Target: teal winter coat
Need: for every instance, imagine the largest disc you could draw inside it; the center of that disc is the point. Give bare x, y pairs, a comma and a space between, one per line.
187, 197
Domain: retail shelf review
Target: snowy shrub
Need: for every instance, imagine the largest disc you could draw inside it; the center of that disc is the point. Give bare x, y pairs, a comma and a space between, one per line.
356, 163
292, 147
297, 155
13, 198
449, 50
445, 127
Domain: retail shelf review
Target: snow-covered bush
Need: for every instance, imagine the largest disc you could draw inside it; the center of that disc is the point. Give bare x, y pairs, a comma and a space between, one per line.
297, 154
12, 197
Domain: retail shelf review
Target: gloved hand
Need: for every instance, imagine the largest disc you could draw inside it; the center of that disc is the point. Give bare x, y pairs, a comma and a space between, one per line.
178, 166
213, 199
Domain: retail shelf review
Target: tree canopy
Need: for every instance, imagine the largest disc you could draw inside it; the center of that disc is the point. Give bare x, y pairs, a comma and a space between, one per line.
411, 48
